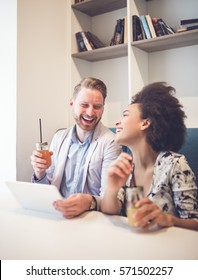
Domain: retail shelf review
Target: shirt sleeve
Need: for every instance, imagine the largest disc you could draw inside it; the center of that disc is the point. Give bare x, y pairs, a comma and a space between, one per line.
184, 190
110, 153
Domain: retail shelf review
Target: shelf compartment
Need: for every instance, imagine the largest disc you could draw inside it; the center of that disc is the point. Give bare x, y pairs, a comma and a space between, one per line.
95, 7
177, 40
103, 53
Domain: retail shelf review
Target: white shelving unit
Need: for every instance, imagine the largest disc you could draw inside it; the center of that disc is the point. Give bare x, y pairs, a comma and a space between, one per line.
126, 68
103, 53
109, 64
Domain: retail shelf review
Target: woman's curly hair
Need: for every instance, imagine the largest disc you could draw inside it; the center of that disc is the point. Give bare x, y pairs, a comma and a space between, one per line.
167, 130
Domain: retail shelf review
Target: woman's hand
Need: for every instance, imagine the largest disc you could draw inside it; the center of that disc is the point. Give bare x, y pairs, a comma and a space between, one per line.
117, 176
119, 171
149, 214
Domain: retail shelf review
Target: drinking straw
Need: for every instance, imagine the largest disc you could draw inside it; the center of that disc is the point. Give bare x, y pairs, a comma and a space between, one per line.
132, 183
40, 126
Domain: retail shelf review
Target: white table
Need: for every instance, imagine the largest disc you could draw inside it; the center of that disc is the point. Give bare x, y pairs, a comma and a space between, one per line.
33, 235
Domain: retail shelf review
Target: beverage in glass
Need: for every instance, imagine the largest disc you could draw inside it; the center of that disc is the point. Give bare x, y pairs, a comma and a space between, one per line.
43, 148
132, 196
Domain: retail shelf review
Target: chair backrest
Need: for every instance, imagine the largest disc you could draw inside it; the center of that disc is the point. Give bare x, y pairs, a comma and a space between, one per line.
189, 149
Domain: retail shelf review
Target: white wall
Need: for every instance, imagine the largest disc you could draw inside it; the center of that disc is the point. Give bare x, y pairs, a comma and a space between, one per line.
8, 22
190, 107
42, 80
178, 67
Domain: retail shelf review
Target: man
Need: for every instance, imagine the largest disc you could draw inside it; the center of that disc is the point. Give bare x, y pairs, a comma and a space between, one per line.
81, 154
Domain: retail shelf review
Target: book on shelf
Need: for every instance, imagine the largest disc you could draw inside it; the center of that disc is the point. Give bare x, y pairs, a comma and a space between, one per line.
161, 27
80, 42
86, 41
118, 36
94, 40
188, 22
166, 29
125, 30
143, 33
154, 27
150, 25
182, 29
78, 1
90, 40
158, 30
137, 28
146, 27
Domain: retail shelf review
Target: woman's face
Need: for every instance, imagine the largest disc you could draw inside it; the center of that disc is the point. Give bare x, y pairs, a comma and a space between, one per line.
129, 129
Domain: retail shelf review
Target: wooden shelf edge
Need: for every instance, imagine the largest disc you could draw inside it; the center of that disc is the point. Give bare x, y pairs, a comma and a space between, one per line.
95, 7
166, 42
103, 53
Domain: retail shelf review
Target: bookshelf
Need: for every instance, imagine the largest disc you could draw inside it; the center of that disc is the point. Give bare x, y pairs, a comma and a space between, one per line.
95, 7
127, 67
167, 42
108, 52
108, 63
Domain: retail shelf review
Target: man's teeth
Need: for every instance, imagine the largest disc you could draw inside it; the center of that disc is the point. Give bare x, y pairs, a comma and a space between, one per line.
89, 120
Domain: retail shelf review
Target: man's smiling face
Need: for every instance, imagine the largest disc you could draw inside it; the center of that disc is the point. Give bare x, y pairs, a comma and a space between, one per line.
87, 107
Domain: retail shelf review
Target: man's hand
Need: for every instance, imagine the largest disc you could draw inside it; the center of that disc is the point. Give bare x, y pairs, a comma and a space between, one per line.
39, 164
74, 205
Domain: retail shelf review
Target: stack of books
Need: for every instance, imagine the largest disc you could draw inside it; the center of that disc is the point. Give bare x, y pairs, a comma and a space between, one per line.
145, 27
87, 41
120, 32
188, 24
78, 1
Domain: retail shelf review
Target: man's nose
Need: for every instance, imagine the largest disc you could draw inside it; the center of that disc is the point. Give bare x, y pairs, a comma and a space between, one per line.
90, 111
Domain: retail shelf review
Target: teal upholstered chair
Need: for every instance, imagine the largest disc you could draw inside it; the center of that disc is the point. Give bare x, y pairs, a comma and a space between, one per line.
190, 150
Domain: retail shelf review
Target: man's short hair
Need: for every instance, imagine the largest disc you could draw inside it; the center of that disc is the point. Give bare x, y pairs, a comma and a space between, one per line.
91, 83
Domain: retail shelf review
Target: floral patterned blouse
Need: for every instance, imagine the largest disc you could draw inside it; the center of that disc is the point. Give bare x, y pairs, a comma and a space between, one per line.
173, 187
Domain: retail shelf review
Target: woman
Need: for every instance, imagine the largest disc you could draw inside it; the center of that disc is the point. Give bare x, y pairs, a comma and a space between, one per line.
152, 126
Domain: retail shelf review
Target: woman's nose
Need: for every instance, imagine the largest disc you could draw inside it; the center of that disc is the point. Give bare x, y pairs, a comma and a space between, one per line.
117, 123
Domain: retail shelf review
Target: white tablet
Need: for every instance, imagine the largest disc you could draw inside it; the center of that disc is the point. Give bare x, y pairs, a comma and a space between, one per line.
32, 196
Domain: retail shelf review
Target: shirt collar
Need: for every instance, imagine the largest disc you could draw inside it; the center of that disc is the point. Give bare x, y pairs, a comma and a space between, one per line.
75, 139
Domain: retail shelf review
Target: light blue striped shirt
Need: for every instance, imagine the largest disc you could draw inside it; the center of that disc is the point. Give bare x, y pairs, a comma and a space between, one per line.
73, 175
